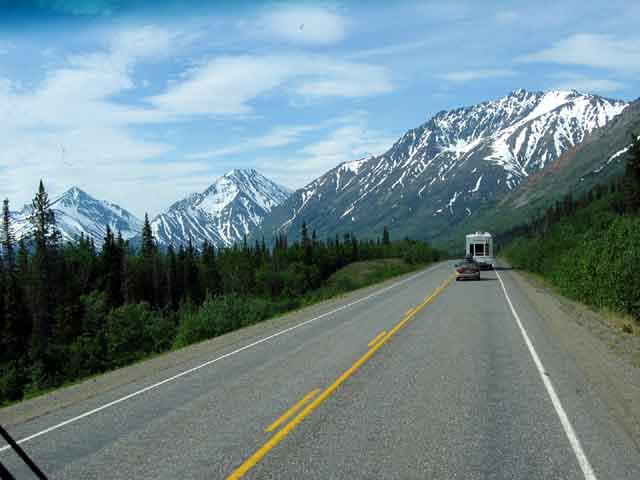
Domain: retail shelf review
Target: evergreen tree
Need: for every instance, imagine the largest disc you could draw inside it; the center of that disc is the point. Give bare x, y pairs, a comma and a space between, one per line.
173, 299
7, 240
12, 314
191, 277
148, 242
46, 240
211, 276
180, 269
111, 258
631, 182
386, 240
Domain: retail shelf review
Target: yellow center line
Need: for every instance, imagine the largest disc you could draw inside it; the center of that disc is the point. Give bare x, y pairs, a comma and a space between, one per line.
408, 312
292, 410
277, 438
375, 340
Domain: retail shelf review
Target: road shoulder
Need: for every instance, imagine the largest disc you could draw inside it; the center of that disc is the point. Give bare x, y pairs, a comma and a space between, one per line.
604, 354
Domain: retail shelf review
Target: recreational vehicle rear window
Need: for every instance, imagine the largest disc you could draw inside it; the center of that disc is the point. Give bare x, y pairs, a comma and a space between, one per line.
479, 247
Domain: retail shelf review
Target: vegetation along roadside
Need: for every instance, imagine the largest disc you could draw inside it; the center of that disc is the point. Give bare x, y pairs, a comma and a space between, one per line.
70, 311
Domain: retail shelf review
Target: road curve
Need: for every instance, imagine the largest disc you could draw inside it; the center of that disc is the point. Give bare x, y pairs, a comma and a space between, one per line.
426, 379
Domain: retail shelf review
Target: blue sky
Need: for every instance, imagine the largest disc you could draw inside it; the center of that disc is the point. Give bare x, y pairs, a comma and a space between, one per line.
141, 106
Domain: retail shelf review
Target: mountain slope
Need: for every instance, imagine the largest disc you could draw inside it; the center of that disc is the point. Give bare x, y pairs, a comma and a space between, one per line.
438, 174
223, 214
597, 160
78, 213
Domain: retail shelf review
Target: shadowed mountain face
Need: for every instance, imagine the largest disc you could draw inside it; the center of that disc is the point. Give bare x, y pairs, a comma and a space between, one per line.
223, 214
441, 173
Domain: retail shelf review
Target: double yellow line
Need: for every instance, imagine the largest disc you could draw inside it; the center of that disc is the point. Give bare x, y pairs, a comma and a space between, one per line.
374, 347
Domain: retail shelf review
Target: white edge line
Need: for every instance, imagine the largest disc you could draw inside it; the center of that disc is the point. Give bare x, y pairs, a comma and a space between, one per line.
206, 364
587, 470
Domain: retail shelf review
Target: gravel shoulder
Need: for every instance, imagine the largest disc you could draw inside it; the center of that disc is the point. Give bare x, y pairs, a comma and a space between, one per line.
609, 357
170, 362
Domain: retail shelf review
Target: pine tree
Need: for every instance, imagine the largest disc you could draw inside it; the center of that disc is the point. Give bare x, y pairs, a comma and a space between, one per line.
112, 268
631, 182
211, 275
149, 279
46, 239
304, 234
148, 242
173, 299
15, 322
7, 240
386, 240
191, 280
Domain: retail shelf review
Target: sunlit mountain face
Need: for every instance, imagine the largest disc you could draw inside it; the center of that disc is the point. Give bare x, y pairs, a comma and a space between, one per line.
443, 171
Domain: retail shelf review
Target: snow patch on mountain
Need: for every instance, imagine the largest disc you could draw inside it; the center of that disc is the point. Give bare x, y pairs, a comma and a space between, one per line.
223, 214
77, 213
458, 158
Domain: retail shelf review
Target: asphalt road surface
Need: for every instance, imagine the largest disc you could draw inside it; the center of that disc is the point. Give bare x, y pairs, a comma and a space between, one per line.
419, 378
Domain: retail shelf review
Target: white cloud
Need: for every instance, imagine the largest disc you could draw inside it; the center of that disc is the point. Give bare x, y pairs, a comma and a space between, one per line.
349, 140
506, 17
592, 50
464, 76
223, 86
6, 47
147, 42
583, 83
68, 129
395, 49
279, 136
226, 85
303, 25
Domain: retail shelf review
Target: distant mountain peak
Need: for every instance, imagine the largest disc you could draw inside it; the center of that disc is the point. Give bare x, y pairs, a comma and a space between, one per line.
449, 167
78, 213
223, 213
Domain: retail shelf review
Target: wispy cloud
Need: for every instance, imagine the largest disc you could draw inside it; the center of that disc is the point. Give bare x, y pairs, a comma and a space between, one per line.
592, 50
299, 25
506, 16
395, 49
279, 136
464, 76
583, 83
69, 129
227, 85
349, 139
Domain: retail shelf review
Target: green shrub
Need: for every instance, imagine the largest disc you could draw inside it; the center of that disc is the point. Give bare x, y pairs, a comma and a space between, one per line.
222, 314
592, 257
127, 334
12, 382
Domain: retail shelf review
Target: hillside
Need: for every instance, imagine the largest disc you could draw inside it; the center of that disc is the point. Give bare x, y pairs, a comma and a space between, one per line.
449, 169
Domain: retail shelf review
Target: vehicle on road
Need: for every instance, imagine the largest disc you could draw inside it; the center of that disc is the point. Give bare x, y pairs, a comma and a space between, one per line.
480, 248
469, 269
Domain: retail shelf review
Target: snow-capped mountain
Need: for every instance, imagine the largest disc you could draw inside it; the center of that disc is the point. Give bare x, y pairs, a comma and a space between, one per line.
223, 214
447, 168
77, 212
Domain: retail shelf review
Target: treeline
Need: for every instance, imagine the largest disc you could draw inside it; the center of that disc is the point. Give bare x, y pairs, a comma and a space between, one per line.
589, 248
71, 310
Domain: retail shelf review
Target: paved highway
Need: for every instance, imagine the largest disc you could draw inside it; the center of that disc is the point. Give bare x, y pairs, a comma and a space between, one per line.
419, 378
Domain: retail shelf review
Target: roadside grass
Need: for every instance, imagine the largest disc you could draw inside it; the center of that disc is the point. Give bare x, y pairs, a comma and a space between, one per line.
621, 321
363, 274
618, 320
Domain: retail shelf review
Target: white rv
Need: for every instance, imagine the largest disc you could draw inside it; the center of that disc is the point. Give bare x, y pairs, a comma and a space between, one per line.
480, 247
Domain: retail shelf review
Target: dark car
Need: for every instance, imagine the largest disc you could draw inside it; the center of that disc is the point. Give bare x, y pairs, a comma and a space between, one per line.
469, 269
